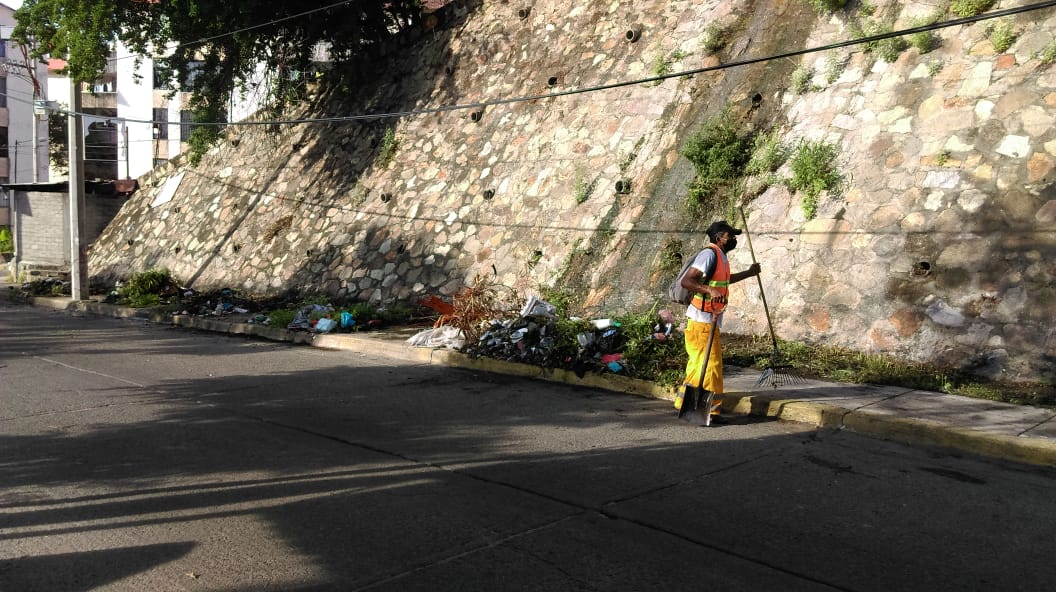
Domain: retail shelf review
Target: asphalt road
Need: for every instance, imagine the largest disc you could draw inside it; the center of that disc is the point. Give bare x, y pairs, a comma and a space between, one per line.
138, 457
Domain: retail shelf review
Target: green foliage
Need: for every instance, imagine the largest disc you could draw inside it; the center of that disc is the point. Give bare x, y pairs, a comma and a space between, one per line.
83, 32
934, 67
647, 358
671, 257
393, 314
769, 152
59, 140
715, 37
583, 189
813, 171
563, 299
202, 139
1047, 55
827, 6
800, 82
845, 365
661, 67
1002, 35
147, 288
281, 318
7, 240
889, 49
835, 64
925, 41
664, 65
362, 311
719, 155
965, 8
886, 49
390, 144
626, 160
566, 347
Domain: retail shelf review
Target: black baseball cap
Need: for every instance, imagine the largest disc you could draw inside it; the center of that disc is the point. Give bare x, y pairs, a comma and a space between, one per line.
721, 226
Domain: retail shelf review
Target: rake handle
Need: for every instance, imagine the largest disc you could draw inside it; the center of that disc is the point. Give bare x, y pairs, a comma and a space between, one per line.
762, 294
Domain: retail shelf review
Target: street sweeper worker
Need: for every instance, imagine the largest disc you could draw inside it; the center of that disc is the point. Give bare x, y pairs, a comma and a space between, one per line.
709, 278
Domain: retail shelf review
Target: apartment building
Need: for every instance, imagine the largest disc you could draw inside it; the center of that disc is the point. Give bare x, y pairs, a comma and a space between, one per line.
134, 120
23, 133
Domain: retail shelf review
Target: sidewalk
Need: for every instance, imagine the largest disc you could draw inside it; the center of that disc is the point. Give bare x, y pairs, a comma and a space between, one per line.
979, 427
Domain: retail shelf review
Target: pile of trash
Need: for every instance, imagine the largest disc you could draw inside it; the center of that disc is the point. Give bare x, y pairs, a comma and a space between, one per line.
537, 337
319, 318
46, 287
217, 303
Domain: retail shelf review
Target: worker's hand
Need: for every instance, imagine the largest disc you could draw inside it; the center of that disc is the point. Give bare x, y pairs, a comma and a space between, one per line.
754, 269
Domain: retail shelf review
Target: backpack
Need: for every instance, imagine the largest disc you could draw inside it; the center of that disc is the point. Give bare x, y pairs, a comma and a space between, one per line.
675, 291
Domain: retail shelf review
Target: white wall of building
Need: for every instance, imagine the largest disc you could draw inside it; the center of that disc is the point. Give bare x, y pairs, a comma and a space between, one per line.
21, 119
135, 105
136, 102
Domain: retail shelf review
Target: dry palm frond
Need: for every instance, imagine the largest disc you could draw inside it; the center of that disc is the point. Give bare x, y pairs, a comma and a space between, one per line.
476, 305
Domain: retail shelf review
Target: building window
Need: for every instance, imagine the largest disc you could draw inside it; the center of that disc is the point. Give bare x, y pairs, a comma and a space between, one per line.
3, 89
161, 79
194, 68
3, 48
186, 125
161, 127
3, 142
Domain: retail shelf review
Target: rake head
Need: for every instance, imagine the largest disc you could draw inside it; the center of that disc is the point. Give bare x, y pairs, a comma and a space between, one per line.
774, 377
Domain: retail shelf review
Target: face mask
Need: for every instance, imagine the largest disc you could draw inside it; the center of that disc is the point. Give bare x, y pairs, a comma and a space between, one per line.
731, 244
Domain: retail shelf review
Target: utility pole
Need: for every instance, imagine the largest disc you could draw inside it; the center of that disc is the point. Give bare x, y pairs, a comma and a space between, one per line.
78, 247
127, 155
36, 125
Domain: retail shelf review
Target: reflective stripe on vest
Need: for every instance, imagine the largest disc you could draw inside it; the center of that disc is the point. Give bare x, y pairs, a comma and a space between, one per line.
720, 280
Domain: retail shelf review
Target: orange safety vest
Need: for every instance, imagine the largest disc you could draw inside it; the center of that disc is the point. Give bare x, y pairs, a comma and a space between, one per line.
720, 280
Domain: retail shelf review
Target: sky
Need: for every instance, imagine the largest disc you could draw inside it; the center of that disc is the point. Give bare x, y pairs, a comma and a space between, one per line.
12, 3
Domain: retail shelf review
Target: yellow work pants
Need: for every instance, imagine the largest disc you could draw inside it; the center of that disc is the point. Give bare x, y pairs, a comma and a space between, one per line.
696, 343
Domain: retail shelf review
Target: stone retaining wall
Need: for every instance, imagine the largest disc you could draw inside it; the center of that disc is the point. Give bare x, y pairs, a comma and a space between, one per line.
939, 248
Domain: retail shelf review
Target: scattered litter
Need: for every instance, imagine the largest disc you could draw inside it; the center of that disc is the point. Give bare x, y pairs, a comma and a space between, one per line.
444, 336
604, 323
303, 320
438, 304
538, 307
325, 325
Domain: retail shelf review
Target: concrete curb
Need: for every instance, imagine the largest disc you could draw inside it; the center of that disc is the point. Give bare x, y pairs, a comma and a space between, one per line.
1028, 450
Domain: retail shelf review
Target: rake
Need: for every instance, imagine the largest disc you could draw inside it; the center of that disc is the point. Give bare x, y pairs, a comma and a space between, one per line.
773, 375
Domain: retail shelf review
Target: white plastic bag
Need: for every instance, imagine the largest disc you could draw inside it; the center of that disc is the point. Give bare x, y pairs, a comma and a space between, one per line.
446, 336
